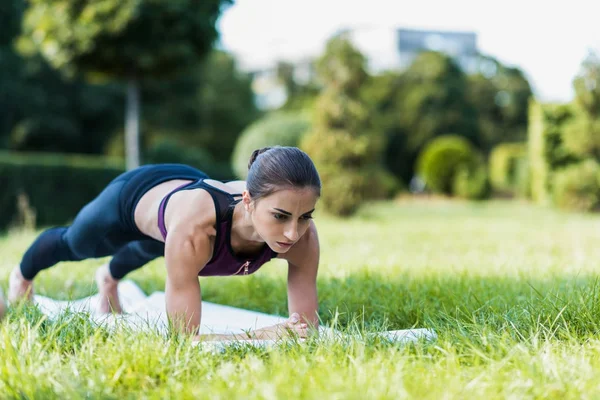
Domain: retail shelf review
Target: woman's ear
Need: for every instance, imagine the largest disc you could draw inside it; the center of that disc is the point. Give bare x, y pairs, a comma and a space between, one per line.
247, 200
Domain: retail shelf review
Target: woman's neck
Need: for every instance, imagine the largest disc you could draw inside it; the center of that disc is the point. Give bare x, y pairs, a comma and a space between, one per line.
243, 233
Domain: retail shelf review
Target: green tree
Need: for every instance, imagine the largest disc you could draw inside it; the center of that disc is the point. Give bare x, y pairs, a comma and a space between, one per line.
128, 39
426, 100
208, 107
587, 85
500, 95
41, 111
342, 142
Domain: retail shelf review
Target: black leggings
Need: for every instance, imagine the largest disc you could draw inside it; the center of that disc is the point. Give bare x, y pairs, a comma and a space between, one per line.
106, 226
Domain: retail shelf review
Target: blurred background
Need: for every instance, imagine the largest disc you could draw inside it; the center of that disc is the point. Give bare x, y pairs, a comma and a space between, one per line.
467, 100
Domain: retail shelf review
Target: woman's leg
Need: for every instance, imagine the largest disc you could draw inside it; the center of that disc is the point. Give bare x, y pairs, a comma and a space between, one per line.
130, 257
95, 232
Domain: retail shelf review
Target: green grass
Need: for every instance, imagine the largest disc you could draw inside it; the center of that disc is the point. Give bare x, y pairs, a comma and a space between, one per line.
511, 290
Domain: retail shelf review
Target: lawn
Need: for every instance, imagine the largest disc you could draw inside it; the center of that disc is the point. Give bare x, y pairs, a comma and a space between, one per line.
510, 289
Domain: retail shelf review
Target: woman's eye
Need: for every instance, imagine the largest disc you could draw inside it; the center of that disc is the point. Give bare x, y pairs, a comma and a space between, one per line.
280, 216
307, 217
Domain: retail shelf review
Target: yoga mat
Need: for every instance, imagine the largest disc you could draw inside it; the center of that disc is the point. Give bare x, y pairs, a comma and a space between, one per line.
148, 312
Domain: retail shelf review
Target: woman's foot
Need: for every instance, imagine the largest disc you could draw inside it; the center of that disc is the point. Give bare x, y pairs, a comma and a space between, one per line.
19, 288
107, 289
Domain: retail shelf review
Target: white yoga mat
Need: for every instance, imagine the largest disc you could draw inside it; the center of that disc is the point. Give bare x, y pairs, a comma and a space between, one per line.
148, 312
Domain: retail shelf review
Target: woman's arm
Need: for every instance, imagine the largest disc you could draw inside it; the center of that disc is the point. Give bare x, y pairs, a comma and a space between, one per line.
303, 265
185, 256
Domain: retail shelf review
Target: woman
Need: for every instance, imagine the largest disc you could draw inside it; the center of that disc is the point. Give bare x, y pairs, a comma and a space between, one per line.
203, 227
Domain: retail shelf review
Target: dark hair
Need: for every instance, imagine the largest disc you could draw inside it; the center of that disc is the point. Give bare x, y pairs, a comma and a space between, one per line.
274, 168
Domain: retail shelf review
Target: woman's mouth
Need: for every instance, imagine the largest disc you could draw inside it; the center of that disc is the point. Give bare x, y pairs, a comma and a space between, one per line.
285, 245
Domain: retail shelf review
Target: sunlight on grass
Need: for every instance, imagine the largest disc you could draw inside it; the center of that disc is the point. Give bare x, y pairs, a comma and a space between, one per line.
511, 290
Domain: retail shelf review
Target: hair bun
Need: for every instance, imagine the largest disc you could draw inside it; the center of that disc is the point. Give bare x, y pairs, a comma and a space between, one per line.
255, 154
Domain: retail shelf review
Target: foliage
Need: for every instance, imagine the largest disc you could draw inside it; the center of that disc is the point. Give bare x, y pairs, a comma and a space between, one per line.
129, 38
41, 111
587, 85
547, 151
166, 150
56, 186
428, 99
280, 128
577, 187
472, 181
581, 136
208, 106
505, 166
342, 142
442, 159
500, 96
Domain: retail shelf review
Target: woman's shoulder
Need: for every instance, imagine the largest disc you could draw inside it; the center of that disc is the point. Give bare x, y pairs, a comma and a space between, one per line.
231, 187
195, 211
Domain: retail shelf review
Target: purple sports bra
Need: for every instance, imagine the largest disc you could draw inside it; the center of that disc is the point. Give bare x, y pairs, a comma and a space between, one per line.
223, 262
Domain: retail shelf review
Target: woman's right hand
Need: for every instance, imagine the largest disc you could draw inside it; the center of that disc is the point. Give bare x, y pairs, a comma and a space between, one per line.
293, 327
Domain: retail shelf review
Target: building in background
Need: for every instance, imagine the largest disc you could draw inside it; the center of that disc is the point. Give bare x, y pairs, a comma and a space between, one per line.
461, 46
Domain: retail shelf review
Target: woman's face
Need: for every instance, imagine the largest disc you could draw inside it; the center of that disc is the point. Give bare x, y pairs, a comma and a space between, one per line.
281, 218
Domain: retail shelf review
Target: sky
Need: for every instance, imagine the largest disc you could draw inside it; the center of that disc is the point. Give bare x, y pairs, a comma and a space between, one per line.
548, 40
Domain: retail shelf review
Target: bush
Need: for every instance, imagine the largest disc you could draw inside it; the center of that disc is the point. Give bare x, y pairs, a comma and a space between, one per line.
441, 160
56, 186
547, 152
283, 129
581, 136
472, 182
168, 150
383, 184
504, 165
577, 187
522, 180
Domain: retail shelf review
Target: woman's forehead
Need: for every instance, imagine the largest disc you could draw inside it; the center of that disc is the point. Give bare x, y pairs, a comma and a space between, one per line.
296, 199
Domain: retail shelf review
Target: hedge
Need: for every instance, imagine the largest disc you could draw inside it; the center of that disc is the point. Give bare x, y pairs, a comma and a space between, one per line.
56, 186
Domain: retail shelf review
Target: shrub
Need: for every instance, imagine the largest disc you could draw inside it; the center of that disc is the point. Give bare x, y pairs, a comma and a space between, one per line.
441, 160
504, 164
577, 187
55, 186
547, 151
581, 136
168, 150
284, 129
472, 182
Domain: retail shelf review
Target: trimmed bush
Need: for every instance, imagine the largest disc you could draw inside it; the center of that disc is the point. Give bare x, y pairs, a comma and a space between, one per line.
547, 151
441, 160
577, 187
283, 129
167, 150
56, 186
472, 182
522, 181
504, 164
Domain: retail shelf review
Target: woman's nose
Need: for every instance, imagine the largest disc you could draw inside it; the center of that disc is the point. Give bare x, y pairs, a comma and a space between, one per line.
291, 233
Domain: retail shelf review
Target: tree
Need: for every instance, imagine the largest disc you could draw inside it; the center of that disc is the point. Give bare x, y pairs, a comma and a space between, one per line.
127, 39
500, 95
208, 107
41, 111
587, 85
342, 142
426, 100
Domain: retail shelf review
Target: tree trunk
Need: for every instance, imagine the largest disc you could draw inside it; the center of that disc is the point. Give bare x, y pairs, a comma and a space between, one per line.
132, 125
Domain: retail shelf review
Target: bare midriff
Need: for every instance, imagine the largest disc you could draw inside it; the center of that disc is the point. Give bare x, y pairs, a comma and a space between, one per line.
146, 210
